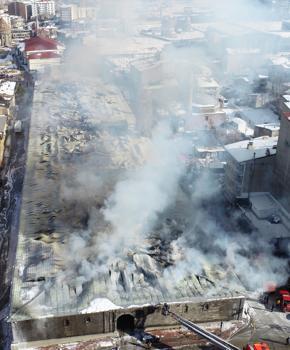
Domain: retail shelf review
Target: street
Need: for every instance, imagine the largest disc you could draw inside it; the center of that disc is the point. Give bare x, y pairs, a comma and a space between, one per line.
272, 327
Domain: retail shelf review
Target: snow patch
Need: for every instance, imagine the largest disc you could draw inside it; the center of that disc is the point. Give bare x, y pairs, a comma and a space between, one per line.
99, 305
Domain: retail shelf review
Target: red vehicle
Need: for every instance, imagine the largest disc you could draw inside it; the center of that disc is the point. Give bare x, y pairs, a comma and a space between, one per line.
284, 300
257, 346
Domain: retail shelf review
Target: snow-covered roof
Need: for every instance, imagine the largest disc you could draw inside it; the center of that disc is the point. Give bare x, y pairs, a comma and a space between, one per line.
257, 116
239, 121
7, 88
243, 126
286, 97
270, 126
287, 104
258, 147
210, 149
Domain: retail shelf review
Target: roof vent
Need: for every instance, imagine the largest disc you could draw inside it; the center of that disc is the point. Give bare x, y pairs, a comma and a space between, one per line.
250, 145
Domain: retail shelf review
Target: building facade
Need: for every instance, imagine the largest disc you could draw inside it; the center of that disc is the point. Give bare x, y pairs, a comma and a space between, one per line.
68, 13
282, 169
250, 167
20, 8
3, 129
44, 8
38, 52
5, 31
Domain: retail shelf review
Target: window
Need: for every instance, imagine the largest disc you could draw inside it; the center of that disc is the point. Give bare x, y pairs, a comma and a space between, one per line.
88, 320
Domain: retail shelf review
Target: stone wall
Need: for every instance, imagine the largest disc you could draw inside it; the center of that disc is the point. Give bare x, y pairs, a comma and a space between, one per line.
144, 317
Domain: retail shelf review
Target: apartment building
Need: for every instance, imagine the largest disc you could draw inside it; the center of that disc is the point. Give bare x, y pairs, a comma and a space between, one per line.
44, 8
250, 166
20, 8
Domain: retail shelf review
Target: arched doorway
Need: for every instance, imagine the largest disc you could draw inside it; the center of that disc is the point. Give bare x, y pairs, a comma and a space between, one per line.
126, 323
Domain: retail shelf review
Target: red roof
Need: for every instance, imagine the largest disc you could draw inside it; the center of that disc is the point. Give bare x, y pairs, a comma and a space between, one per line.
38, 43
43, 55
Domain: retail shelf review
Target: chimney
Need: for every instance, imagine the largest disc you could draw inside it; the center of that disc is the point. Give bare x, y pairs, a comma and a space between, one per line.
250, 145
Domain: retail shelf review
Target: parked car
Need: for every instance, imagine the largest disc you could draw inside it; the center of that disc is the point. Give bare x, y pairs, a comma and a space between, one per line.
18, 126
274, 219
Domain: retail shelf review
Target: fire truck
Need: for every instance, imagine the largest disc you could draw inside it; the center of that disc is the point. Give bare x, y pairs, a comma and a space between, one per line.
212, 338
257, 346
283, 301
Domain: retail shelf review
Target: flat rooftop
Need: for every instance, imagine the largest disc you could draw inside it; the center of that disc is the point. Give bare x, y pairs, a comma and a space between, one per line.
258, 147
257, 116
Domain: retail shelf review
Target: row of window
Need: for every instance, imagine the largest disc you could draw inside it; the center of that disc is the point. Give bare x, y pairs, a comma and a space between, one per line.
87, 320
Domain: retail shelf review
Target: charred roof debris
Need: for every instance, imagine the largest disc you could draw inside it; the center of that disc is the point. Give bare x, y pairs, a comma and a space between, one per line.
155, 142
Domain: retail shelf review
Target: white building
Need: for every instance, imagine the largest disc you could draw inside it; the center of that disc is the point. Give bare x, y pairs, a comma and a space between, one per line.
43, 8
38, 52
68, 13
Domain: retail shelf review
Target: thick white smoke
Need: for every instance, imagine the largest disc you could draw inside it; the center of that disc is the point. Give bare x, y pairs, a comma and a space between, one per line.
136, 202
133, 209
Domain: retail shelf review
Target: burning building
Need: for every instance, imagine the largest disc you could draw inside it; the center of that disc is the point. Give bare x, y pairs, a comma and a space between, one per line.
76, 254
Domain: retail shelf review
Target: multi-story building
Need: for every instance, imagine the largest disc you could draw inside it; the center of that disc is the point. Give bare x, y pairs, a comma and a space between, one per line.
3, 130
68, 13
87, 12
282, 169
5, 30
44, 8
250, 166
72, 12
20, 8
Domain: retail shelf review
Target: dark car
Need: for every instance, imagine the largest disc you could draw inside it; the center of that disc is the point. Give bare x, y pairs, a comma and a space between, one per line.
149, 338
274, 219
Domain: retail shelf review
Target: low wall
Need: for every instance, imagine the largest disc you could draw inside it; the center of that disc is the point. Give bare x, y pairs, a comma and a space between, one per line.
106, 322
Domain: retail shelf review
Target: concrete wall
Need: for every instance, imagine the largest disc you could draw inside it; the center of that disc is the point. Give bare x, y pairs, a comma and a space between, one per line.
105, 322
244, 177
282, 168
37, 64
